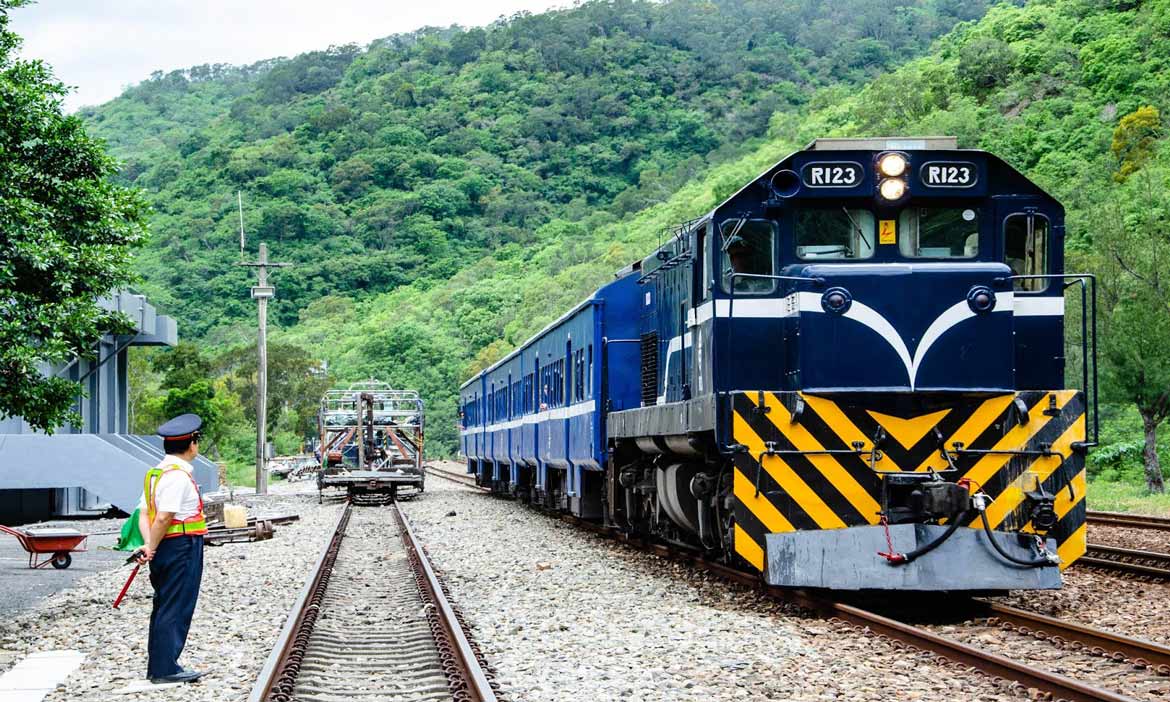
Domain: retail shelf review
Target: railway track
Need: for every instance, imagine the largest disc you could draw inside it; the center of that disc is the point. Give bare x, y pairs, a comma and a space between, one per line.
1137, 521
373, 622
461, 478
1146, 565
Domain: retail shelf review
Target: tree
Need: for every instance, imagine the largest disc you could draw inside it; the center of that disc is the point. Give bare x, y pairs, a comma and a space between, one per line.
182, 366
66, 236
1134, 139
296, 382
1133, 242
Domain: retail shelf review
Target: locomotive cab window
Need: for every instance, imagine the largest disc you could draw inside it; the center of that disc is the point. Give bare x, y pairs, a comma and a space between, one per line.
748, 246
1025, 249
833, 234
938, 232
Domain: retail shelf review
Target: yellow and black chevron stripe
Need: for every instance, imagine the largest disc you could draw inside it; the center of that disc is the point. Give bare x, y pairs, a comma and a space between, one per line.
775, 493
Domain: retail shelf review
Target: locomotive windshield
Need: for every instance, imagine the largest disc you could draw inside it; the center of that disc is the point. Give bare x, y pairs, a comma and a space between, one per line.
938, 232
749, 247
829, 234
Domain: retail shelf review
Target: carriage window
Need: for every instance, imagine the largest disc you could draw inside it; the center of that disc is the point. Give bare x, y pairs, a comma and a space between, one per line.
748, 247
1025, 249
938, 232
833, 234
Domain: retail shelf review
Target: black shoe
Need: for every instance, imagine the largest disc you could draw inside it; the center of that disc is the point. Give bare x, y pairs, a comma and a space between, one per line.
183, 676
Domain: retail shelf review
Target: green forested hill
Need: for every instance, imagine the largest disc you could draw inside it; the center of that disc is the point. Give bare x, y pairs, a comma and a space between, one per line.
434, 188
404, 163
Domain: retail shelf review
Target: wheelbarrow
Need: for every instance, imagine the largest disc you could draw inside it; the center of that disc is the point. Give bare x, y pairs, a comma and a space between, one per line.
58, 543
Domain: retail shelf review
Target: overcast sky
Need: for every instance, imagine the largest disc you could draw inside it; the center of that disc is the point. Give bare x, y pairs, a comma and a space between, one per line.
102, 46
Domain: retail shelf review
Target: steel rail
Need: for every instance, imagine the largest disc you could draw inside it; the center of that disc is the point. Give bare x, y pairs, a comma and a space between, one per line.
277, 676
461, 478
1106, 643
471, 671
1146, 564
1060, 687
1137, 521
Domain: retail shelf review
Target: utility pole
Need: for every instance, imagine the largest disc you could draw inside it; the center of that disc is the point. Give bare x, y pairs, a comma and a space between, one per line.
261, 293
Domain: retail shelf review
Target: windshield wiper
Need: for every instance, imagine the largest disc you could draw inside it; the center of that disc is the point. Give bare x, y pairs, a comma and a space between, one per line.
733, 237
856, 228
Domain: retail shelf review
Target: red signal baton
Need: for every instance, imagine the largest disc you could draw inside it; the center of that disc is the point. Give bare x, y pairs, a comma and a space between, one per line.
129, 580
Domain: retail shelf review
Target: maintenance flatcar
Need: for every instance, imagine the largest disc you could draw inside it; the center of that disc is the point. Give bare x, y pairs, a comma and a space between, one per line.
848, 375
371, 442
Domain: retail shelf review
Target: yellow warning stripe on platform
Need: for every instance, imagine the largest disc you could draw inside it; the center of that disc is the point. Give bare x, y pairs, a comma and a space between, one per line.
785, 477
760, 507
976, 424
1013, 495
1017, 437
748, 549
828, 465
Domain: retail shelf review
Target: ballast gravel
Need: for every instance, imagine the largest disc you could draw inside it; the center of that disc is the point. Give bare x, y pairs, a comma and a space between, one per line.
248, 589
562, 614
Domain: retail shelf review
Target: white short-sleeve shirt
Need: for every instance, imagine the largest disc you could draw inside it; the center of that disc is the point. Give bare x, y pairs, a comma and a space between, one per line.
175, 490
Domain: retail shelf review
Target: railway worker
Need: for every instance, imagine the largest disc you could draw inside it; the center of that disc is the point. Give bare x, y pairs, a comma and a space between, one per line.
173, 525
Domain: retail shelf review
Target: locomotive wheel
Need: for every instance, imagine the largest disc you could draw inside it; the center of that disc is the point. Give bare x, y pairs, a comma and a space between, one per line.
62, 560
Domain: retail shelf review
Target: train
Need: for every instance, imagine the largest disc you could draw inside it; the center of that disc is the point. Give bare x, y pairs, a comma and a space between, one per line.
370, 442
849, 375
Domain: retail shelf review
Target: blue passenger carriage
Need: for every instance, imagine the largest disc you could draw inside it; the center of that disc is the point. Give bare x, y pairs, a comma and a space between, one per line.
850, 374
534, 422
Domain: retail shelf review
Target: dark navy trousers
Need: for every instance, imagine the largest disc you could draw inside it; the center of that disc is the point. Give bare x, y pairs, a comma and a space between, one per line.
175, 572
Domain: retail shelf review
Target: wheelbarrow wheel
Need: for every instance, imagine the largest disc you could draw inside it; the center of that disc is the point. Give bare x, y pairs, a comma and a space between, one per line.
62, 560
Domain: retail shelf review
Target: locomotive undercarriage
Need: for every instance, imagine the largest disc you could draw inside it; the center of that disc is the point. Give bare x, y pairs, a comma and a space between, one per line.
683, 498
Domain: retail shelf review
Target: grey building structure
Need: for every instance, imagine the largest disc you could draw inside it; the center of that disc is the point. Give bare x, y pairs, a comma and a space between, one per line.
98, 465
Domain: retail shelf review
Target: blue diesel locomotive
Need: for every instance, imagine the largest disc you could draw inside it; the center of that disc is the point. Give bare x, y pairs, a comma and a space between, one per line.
848, 375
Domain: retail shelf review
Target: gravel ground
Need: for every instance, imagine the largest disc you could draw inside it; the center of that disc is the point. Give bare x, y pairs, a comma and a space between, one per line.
246, 594
1125, 537
564, 615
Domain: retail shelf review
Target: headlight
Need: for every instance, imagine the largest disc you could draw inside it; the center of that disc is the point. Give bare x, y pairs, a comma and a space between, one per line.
892, 165
892, 188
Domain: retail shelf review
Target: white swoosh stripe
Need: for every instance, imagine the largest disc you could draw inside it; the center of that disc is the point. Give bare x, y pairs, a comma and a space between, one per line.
871, 318
779, 308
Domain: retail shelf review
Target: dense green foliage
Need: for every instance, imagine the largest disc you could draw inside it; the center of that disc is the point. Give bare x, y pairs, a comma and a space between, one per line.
66, 233
403, 166
411, 159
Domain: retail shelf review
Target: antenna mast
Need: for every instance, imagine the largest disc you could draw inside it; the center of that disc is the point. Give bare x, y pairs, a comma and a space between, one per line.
240, 202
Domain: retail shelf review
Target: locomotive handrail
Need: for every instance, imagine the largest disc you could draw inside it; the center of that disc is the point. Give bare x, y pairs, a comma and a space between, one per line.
1088, 342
